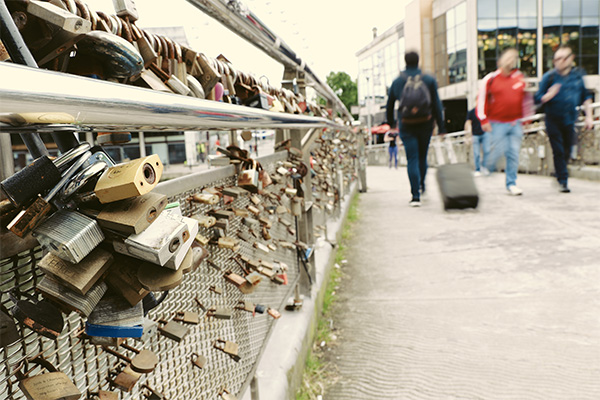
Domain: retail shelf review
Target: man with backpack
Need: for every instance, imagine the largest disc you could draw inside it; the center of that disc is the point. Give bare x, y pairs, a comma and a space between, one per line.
560, 92
500, 106
419, 108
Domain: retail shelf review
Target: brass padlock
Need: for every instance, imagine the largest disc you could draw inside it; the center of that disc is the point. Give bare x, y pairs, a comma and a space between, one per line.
235, 279
229, 348
205, 220
228, 243
122, 277
188, 317
233, 191
198, 360
297, 205
253, 278
153, 394
205, 198
78, 277
246, 306
153, 277
131, 179
240, 212
261, 247
144, 362
253, 210
226, 395
54, 385
216, 289
127, 379
173, 330
219, 312
203, 240
133, 215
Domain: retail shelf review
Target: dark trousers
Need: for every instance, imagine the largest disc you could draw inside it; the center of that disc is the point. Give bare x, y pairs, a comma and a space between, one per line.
561, 141
416, 144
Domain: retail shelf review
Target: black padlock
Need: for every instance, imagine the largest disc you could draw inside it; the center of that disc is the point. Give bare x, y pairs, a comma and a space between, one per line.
40, 176
150, 301
40, 316
8, 329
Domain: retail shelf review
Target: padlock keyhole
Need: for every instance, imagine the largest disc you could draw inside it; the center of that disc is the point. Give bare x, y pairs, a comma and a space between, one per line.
149, 173
174, 245
152, 215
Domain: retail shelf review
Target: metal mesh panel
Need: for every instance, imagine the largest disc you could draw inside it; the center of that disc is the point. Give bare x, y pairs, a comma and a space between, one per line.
90, 367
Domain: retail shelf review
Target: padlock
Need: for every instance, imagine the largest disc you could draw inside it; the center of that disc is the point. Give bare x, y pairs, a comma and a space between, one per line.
150, 330
144, 362
222, 224
70, 300
39, 316
260, 308
126, 379
274, 313
205, 198
152, 394
245, 306
199, 254
157, 243
82, 276
105, 341
187, 317
173, 330
89, 173
261, 247
54, 385
122, 278
144, 47
28, 219
205, 220
253, 278
41, 175
222, 214
265, 233
228, 243
153, 277
203, 240
105, 395
133, 215
8, 328
216, 289
297, 205
131, 179
245, 236
69, 235
114, 310
210, 76
250, 222
237, 280
219, 312
126, 9
233, 191
192, 230
198, 360
248, 178
266, 222
226, 395
229, 348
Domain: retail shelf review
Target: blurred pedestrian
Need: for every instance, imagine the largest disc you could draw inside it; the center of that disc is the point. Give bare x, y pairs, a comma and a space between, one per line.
419, 108
480, 140
561, 91
391, 137
202, 151
500, 106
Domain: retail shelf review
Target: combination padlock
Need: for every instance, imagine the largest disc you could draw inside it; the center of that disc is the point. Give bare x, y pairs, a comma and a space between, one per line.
40, 176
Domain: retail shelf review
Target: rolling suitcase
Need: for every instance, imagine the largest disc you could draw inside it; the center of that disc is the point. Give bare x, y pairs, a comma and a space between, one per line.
457, 186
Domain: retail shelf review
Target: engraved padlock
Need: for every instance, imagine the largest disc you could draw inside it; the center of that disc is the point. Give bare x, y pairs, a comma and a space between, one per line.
41, 175
28, 219
53, 385
80, 277
130, 179
133, 215
69, 235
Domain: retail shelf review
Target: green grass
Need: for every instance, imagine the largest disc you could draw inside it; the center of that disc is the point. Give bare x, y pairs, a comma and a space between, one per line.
317, 373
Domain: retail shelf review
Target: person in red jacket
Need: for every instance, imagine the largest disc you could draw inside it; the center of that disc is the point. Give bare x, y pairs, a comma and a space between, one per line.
500, 105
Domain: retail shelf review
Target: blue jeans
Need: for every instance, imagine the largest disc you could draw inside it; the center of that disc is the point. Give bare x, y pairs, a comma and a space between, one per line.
393, 155
506, 141
481, 142
416, 145
561, 141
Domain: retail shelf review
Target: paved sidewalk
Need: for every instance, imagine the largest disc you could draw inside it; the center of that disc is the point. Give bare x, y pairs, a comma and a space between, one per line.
498, 303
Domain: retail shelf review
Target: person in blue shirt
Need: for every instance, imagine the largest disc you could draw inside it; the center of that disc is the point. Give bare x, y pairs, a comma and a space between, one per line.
480, 139
415, 135
561, 91
392, 138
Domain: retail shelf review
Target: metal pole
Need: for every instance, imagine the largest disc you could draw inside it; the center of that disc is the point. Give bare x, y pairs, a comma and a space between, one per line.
65, 140
254, 389
34, 144
369, 111
12, 39
142, 144
6, 156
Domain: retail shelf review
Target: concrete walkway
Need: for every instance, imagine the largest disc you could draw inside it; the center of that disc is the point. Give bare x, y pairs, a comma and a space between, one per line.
498, 303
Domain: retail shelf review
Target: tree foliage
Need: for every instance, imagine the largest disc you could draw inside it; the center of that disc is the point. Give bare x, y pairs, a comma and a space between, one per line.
346, 89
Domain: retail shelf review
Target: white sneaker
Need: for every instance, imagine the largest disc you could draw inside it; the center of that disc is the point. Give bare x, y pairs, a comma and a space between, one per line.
476, 173
514, 190
485, 171
415, 203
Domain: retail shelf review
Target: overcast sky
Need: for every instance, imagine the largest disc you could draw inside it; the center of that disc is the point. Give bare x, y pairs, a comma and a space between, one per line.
325, 33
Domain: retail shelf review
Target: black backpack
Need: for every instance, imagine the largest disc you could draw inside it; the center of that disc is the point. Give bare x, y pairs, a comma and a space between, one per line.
415, 103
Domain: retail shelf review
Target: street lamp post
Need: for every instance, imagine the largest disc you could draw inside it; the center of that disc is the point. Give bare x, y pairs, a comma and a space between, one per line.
368, 103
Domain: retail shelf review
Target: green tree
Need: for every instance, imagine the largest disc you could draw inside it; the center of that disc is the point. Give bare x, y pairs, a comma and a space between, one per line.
346, 89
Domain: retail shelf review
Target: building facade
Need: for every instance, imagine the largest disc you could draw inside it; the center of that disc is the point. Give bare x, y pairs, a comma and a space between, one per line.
460, 41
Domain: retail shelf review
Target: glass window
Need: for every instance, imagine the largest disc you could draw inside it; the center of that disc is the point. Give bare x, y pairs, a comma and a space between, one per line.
590, 8
176, 153
589, 46
507, 9
590, 65
570, 8
461, 36
527, 23
527, 8
486, 9
451, 17
589, 26
461, 13
507, 23
551, 8
451, 39
487, 24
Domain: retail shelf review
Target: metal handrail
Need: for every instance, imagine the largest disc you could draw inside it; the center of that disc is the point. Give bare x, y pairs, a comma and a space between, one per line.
107, 106
247, 25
